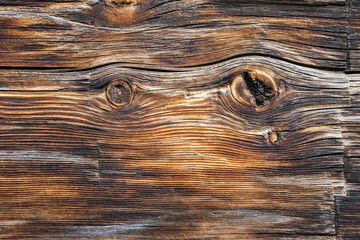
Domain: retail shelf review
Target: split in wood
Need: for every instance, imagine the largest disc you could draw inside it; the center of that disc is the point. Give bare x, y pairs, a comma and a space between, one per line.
119, 93
119, 3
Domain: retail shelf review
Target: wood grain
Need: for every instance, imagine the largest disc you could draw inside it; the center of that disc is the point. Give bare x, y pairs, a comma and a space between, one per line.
353, 64
172, 33
178, 120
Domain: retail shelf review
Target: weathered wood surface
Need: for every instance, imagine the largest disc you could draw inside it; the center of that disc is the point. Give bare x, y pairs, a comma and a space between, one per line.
179, 119
354, 36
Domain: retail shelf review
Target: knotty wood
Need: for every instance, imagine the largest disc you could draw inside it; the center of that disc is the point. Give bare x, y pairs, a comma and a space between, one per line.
184, 151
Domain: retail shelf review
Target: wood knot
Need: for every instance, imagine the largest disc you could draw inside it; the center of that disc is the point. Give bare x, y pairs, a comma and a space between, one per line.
254, 88
115, 13
272, 137
119, 93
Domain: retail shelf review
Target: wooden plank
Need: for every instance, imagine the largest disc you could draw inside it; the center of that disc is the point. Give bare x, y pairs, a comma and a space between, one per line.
184, 159
172, 33
353, 64
349, 205
179, 119
349, 217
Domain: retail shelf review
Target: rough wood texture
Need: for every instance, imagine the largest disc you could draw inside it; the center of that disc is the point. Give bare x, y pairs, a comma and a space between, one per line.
179, 119
354, 36
171, 33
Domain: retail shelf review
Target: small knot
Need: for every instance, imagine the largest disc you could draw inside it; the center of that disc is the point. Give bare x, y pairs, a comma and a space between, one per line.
272, 137
119, 93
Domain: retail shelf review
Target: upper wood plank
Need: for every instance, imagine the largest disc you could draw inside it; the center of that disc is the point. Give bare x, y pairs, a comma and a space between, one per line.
71, 34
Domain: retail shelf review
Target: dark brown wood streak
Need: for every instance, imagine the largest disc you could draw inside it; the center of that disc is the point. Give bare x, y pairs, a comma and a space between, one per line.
174, 119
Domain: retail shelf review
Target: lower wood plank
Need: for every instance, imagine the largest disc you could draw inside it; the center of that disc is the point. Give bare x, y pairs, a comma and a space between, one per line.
183, 159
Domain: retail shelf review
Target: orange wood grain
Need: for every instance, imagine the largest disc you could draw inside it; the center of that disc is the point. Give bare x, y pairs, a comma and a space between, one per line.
178, 120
